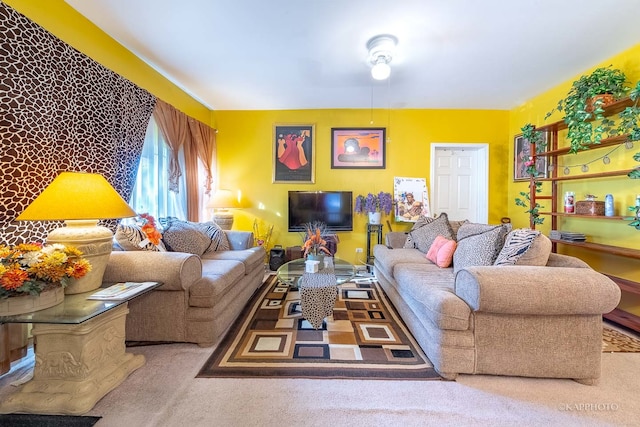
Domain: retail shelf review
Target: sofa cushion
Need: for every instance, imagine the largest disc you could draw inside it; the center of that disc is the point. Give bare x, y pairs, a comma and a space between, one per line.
428, 290
525, 247
251, 257
386, 259
182, 236
218, 277
218, 237
132, 238
441, 252
479, 244
425, 231
455, 226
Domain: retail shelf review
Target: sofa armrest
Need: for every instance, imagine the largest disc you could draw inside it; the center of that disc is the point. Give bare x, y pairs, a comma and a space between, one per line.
395, 239
560, 260
176, 270
239, 240
536, 290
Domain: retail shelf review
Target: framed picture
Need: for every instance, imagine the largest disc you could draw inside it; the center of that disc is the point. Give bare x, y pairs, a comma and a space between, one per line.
294, 153
410, 197
358, 148
522, 150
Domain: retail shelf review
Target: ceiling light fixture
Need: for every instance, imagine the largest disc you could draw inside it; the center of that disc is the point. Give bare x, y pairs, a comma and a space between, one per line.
381, 49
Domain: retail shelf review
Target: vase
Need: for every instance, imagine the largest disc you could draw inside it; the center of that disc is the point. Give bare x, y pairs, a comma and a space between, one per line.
28, 303
317, 257
374, 217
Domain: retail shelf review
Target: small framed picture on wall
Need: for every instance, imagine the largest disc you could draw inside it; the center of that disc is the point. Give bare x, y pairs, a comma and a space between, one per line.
522, 150
293, 153
358, 148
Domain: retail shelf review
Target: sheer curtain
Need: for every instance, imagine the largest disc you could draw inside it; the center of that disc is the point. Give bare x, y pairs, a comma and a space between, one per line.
175, 143
151, 191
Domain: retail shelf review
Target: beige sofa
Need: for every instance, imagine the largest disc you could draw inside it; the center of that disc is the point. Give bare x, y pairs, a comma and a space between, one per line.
516, 320
200, 296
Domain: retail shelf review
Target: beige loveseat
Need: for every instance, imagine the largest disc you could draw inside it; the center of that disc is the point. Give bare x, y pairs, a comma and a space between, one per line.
200, 296
518, 320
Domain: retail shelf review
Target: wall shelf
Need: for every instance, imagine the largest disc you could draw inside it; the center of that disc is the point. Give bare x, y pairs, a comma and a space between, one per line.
552, 154
570, 215
614, 250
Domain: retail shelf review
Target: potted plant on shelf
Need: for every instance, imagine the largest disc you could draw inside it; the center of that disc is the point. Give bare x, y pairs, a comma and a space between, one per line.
374, 205
586, 101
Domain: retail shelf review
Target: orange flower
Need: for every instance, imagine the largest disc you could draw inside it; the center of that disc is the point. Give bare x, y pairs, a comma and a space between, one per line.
149, 228
79, 269
13, 279
315, 243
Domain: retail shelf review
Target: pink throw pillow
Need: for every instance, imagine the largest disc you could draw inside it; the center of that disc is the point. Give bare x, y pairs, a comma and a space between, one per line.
441, 251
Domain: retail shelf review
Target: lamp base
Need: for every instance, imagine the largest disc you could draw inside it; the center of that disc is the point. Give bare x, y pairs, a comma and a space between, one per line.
95, 242
224, 220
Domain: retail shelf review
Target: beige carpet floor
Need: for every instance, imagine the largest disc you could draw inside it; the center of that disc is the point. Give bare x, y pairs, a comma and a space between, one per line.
165, 392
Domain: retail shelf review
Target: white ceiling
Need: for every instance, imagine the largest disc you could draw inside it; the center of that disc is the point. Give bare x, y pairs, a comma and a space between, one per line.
308, 54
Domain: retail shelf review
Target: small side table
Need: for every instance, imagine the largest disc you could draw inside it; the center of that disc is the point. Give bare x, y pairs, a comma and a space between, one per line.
375, 229
80, 355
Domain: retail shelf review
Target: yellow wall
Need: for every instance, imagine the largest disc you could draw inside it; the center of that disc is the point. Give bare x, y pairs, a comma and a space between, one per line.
245, 145
57, 17
624, 190
245, 150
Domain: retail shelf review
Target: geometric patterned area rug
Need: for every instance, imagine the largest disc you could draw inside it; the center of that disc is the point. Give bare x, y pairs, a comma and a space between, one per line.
363, 339
614, 341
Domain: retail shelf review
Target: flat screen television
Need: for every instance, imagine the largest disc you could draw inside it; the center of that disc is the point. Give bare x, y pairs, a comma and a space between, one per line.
334, 208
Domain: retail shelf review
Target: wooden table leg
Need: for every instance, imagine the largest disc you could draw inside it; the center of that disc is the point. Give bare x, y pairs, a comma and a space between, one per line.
5, 351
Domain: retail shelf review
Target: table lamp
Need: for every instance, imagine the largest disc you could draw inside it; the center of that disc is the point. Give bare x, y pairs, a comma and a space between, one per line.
221, 202
80, 199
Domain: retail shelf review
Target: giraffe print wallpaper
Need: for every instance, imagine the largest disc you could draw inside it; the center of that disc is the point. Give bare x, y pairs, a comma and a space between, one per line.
60, 111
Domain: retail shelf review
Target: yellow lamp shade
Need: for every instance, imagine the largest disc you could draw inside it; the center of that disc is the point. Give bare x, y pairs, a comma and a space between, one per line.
223, 199
77, 195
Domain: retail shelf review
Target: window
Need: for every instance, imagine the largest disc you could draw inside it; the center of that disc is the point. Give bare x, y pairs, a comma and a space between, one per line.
151, 190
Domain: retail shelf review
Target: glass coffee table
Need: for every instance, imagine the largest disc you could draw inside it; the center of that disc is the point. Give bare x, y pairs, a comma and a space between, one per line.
318, 290
292, 271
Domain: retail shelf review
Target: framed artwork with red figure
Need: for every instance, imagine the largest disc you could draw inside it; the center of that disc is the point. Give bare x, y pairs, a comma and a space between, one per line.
293, 153
358, 148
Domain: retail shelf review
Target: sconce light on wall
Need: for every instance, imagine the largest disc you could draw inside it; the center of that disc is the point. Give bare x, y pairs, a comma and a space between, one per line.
381, 49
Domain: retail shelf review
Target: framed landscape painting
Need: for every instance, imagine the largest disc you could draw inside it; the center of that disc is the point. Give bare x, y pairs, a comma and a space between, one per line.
358, 148
522, 152
293, 153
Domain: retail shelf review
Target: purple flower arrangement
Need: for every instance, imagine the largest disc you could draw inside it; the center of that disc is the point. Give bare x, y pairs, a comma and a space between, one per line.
381, 202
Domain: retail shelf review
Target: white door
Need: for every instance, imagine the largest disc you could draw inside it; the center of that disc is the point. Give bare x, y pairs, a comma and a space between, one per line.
459, 181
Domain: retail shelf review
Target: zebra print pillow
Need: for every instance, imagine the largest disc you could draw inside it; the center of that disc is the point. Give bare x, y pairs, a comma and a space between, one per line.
132, 238
219, 241
525, 247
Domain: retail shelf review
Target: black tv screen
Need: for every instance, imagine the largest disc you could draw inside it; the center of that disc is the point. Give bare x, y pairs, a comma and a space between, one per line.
334, 208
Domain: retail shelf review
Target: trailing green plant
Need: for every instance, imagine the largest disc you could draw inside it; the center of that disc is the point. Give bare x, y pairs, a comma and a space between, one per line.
536, 137
525, 202
579, 119
635, 174
629, 116
533, 136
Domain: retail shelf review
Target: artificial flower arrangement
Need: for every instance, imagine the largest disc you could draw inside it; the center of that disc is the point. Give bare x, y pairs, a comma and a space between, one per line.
148, 226
30, 268
381, 202
315, 244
